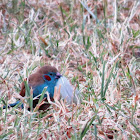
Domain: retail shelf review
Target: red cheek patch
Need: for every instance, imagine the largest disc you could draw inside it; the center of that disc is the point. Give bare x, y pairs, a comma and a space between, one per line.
47, 77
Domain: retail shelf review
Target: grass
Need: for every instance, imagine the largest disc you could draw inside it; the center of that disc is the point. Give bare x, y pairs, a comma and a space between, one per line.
95, 45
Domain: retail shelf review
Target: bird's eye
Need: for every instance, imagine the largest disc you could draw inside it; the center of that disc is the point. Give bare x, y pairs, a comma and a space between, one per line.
51, 74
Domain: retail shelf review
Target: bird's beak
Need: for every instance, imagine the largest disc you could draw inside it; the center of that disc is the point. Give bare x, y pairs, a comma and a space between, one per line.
58, 75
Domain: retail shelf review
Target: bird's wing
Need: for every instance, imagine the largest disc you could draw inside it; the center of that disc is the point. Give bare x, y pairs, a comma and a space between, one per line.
22, 92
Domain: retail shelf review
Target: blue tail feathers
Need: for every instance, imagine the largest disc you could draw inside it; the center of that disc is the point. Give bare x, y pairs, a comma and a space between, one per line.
14, 104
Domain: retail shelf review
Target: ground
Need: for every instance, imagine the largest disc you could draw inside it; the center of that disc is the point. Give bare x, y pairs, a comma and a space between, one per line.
95, 44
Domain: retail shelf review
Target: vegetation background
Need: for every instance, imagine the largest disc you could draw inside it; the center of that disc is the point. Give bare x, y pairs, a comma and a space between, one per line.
95, 44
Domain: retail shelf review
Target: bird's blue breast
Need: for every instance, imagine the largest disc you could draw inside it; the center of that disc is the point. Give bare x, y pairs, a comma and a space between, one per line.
38, 89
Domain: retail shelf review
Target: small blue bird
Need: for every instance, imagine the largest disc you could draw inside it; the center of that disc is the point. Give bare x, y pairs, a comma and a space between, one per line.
47, 76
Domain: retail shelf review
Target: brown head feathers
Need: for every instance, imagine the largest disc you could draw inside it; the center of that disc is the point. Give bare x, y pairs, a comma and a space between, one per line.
46, 69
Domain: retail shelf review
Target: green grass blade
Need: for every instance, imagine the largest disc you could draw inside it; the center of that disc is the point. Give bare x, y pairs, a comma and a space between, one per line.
86, 128
103, 81
108, 80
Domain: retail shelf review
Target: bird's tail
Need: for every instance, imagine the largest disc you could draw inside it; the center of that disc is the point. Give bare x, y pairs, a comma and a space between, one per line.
13, 104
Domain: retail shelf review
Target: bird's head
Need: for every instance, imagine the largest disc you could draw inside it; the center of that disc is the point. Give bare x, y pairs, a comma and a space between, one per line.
51, 77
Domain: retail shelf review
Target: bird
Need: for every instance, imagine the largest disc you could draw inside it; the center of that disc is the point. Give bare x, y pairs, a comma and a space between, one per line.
47, 76
38, 78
